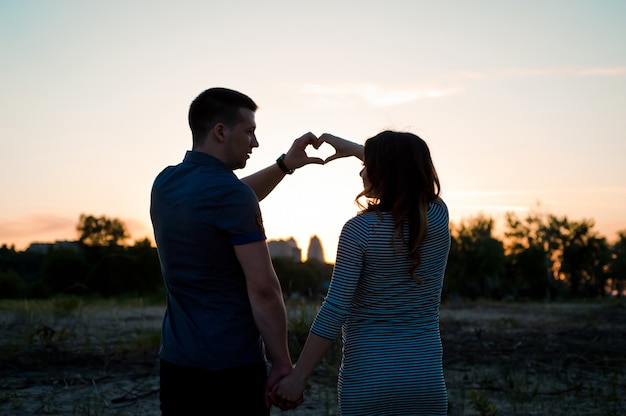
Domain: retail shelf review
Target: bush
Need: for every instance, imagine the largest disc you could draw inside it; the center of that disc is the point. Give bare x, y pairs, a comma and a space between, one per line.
11, 285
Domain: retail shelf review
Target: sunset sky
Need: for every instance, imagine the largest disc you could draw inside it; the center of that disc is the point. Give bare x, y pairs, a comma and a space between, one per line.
523, 104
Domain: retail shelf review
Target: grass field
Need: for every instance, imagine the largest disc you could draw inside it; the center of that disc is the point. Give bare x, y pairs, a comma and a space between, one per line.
75, 357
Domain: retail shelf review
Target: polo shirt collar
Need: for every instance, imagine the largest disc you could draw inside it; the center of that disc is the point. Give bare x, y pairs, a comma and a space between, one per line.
205, 159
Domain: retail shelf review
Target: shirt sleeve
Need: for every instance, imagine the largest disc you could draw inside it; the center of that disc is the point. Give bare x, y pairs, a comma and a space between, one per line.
344, 281
241, 217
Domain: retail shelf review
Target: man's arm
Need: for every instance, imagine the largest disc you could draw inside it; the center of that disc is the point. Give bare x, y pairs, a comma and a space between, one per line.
268, 307
293, 385
265, 180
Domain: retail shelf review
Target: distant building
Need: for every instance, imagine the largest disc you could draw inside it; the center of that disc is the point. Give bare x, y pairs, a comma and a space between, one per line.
316, 252
43, 248
285, 248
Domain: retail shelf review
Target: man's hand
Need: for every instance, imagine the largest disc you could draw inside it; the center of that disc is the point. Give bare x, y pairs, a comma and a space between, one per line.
276, 375
288, 393
283, 404
296, 156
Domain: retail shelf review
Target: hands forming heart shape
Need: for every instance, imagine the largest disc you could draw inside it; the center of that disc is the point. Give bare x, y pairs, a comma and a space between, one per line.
297, 156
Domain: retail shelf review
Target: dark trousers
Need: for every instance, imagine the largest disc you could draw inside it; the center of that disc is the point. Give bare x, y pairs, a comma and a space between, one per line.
231, 391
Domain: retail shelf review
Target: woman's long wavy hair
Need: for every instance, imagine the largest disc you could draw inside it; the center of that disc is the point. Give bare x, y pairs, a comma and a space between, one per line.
403, 181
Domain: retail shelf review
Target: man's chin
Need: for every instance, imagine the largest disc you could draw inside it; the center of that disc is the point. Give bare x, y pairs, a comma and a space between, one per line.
243, 163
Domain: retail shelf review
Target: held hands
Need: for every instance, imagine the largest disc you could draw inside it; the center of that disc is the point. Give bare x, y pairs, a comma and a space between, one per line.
277, 374
288, 393
297, 157
284, 404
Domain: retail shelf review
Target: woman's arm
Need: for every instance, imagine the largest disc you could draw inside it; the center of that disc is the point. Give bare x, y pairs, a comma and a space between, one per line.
292, 386
343, 147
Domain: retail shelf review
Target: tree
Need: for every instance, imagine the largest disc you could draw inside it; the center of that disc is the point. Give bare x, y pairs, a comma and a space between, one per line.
529, 257
575, 256
295, 277
585, 256
12, 286
112, 275
65, 271
116, 270
617, 266
476, 263
323, 272
147, 267
101, 231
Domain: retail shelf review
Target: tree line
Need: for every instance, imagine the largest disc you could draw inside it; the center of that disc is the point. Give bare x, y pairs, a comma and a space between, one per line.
541, 257
103, 262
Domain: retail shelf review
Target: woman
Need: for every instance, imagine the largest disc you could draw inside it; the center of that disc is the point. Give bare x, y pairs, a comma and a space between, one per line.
386, 287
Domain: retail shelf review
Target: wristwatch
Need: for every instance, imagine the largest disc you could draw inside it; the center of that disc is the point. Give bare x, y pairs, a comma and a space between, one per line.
281, 164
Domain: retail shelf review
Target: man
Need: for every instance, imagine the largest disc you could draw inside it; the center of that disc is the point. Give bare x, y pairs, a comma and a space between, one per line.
225, 308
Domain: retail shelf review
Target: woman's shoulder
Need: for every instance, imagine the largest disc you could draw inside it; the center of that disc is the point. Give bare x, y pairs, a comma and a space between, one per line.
439, 201
438, 204
358, 229
438, 212
362, 219
367, 216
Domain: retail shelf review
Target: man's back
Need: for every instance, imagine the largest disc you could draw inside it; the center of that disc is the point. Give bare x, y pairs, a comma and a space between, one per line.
199, 210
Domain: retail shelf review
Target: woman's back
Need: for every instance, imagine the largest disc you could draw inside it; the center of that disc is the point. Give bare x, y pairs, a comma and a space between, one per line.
392, 347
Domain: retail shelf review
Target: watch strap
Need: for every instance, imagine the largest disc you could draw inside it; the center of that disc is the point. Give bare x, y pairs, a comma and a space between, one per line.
281, 164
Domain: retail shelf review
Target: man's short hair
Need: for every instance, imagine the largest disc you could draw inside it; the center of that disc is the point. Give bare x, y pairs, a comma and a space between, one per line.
216, 105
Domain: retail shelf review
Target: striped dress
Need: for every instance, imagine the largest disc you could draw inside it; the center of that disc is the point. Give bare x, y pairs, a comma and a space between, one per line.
392, 352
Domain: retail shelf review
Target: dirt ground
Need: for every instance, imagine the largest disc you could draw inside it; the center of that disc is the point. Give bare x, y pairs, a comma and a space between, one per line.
499, 359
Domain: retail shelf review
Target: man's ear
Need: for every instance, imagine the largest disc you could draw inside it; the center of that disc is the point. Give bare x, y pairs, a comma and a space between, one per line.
219, 131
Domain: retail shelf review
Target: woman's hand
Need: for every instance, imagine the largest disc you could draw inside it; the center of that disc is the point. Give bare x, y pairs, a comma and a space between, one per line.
343, 147
289, 390
284, 404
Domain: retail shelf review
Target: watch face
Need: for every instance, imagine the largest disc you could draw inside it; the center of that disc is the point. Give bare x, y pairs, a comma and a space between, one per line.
282, 166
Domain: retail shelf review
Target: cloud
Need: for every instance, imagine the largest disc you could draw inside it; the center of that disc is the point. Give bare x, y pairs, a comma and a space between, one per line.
372, 94
36, 227
566, 72
603, 71
377, 95
36, 223
539, 72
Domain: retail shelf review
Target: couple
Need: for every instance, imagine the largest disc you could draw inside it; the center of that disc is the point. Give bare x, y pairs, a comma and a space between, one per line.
225, 314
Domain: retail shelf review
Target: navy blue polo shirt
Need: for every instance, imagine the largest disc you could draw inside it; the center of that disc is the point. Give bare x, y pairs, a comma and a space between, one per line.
199, 211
